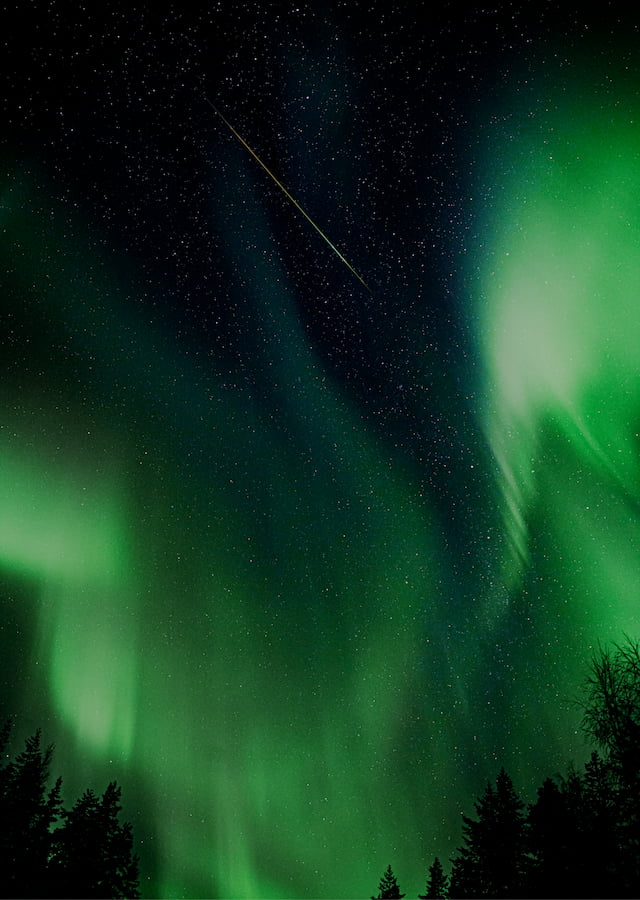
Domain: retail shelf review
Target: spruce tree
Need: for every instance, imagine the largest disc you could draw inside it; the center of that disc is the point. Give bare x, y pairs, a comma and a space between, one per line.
92, 852
436, 882
90, 855
493, 861
603, 832
388, 887
553, 838
27, 812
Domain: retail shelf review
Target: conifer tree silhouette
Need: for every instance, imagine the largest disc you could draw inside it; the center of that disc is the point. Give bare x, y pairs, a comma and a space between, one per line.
552, 840
89, 855
27, 812
92, 852
436, 883
493, 861
388, 887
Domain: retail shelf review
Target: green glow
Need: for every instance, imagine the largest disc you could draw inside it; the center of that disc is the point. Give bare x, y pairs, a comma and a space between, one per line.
559, 331
54, 523
245, 601
62, 525
247, 638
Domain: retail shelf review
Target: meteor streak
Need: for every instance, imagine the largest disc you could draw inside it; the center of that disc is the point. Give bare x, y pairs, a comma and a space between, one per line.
289, 196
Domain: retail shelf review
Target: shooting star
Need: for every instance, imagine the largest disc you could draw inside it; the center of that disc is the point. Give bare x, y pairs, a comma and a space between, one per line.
289, 196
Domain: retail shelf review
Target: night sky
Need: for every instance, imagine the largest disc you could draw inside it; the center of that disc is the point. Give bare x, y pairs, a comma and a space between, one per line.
302, 564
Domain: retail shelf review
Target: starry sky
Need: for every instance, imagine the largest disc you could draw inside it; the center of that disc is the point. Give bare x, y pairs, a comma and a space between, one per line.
301, 563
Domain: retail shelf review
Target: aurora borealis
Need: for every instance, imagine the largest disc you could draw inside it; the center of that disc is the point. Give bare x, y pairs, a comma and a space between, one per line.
302, 566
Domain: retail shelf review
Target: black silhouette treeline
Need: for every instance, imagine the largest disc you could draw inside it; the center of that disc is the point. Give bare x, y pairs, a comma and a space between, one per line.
388, 886
579, 838
581, 835
49, 851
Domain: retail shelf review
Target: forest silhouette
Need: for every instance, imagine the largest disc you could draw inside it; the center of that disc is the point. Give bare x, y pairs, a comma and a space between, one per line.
49, 851
579, 838
581, 835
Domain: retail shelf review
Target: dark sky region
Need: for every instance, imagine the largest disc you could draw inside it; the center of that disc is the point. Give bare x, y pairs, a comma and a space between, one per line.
300, 564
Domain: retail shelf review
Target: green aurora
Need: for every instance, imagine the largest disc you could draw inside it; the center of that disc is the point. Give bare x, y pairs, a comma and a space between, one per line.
243, 604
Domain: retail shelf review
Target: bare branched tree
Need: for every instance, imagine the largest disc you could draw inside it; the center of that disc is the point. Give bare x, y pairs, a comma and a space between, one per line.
611, 708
